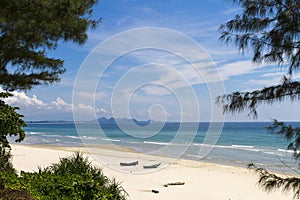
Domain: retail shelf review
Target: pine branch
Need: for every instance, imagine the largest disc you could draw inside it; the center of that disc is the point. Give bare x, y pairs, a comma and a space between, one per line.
269, 28
238, 102
30, 29
270, 182
291, 134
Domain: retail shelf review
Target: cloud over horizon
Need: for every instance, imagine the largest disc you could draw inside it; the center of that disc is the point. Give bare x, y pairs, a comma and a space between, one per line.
32, 105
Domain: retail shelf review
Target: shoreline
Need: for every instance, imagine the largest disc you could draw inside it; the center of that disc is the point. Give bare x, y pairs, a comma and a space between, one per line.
94, 148
202, 180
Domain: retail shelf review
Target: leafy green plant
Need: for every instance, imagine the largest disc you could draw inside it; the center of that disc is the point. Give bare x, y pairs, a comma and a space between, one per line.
11, 124
71, 178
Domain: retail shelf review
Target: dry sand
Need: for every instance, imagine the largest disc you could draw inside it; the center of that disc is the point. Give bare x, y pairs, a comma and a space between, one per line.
205, 181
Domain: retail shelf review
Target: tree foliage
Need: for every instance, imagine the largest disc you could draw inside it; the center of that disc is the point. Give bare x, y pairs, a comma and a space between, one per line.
239, 101
11, 124
270, 29
269, 181
29, 28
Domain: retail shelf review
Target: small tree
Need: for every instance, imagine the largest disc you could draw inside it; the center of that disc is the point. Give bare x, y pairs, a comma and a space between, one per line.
270, 28
11, 124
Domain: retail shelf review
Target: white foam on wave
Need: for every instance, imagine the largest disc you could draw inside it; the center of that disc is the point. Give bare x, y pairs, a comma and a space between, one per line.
194, 156
89, 138
234, 146
112, 140
245, 147
270, 152
71, 136
34, 133
286, 150
157, 143
242, 146
53, 135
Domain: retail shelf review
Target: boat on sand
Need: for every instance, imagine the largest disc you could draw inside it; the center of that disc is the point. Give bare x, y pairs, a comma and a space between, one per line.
151, 166
129, 164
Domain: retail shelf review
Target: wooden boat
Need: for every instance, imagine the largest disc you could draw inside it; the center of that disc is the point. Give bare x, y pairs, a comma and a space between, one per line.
151, 166
129, 164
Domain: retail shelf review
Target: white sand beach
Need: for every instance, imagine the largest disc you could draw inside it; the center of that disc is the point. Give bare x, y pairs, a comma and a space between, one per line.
202, 180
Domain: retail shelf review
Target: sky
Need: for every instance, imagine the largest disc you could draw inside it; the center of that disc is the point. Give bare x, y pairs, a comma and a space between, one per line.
168, 65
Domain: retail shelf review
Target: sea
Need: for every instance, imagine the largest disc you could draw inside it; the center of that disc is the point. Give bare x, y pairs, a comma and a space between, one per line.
231, 143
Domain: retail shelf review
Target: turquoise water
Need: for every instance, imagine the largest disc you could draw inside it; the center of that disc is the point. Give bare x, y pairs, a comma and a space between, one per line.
239, 144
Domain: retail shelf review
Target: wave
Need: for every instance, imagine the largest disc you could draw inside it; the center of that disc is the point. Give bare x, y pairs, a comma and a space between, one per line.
47, 141
242, 146
158, 143
193, 156
131, 142
245, 147
212, 145
53, 135
233, 146
88, 138
253, 148
71, 136
270, 152
112, 140
34, 133
287, 151
62, 136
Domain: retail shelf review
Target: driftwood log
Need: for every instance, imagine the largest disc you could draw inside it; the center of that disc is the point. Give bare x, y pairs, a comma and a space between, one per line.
175, 183
155, 191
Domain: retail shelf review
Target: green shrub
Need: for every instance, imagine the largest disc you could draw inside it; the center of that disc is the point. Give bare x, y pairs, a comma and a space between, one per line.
11, 124
71, 178
5, 160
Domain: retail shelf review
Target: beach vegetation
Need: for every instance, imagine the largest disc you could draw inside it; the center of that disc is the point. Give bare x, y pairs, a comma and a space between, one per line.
73, 177
11, 124
270, 30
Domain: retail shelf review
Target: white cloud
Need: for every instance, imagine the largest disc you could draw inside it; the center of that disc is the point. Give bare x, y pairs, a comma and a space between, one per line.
236, 68
273, 74
30, 104
20, 98
59, 105
155, 90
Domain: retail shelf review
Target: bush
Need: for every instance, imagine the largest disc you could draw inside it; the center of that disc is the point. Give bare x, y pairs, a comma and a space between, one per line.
71, 178
11, 124
5, 160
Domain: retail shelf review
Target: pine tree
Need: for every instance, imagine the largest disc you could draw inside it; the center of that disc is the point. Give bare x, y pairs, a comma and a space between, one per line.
271, 29
28, 30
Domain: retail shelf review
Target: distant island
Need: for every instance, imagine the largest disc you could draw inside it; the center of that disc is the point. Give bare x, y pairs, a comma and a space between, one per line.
112, 120
101, 120
48, 121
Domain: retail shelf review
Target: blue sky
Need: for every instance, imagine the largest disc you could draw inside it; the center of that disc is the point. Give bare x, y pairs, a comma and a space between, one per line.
198, 20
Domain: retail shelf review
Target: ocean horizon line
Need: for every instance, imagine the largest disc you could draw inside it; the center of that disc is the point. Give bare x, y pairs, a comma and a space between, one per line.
156, 121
